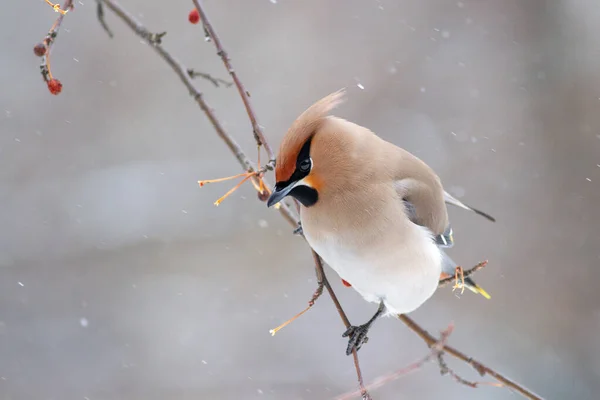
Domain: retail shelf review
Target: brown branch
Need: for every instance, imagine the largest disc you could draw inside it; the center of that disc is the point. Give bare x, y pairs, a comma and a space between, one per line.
44, 48
436, 350
321, 277
244, 94
261, 140
215, 81
446, 370
100, 16
479, 367
154, 40
469, 272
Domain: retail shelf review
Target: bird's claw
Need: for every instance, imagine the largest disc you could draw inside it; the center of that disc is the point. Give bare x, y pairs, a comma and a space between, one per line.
357, 337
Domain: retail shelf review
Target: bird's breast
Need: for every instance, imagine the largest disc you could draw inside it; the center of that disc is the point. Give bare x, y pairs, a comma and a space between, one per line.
400, 267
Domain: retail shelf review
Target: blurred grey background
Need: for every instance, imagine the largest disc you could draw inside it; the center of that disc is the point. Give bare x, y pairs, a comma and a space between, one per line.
120, 280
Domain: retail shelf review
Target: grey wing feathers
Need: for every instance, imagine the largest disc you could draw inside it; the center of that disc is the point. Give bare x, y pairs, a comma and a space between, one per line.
444, 239
448, 265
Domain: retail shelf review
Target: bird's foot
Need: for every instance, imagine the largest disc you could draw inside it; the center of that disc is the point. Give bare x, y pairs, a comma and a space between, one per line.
357, 337
298, 230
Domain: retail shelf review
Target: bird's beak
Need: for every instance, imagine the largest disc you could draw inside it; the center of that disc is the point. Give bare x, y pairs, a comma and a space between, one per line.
279, 193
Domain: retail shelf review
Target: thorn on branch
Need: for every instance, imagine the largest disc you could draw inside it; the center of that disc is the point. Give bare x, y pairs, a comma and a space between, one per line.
270, 166
156, 38
260, 187
100, 15
57, 8
318, 292
215, 81
206, 34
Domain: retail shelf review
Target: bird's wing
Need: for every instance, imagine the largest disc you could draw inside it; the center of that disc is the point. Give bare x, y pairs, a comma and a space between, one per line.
444, 239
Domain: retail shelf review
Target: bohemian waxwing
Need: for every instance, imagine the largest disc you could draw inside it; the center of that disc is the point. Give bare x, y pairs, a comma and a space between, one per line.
374, 212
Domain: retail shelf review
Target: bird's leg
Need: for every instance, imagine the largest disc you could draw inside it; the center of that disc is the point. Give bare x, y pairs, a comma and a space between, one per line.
358, 334
298, 230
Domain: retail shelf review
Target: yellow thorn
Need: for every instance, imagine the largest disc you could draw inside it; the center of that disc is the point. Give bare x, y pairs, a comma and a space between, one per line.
233, 189
274, 331
204, 182
56, 7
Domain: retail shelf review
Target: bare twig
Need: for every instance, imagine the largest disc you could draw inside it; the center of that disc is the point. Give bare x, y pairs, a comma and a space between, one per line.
57, 8
244, 94
436, 349
318, 292
154, 41
215, 81
321, 277
479, 367
446, 370
100, 15
48, 42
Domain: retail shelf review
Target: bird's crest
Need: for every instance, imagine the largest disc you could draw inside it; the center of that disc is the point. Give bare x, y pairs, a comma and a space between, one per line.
301, 130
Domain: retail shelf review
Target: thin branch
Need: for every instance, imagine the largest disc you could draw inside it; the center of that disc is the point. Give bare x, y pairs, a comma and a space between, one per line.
436, 349
321, 277
244, 94
100, 15
154, 40
469, 272
478, 366
446, 370
215, 81
44, 48
261, 140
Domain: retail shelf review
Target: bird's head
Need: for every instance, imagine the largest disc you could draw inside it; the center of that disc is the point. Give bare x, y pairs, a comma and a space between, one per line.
298, 169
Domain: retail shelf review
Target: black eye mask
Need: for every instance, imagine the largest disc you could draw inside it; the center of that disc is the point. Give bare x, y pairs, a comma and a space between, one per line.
304, 194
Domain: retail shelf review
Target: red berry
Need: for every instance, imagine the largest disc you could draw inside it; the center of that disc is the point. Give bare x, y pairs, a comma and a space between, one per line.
194, 16
39, 49
54, 86
263, 196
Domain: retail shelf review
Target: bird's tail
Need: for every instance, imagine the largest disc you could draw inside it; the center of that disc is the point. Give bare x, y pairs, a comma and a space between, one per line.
448, 198
475, 288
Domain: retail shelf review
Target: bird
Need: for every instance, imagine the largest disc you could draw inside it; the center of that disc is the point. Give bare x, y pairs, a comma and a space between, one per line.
374, 212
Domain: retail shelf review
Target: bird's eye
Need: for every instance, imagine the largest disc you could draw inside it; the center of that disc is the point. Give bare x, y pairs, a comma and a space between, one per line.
304, 165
